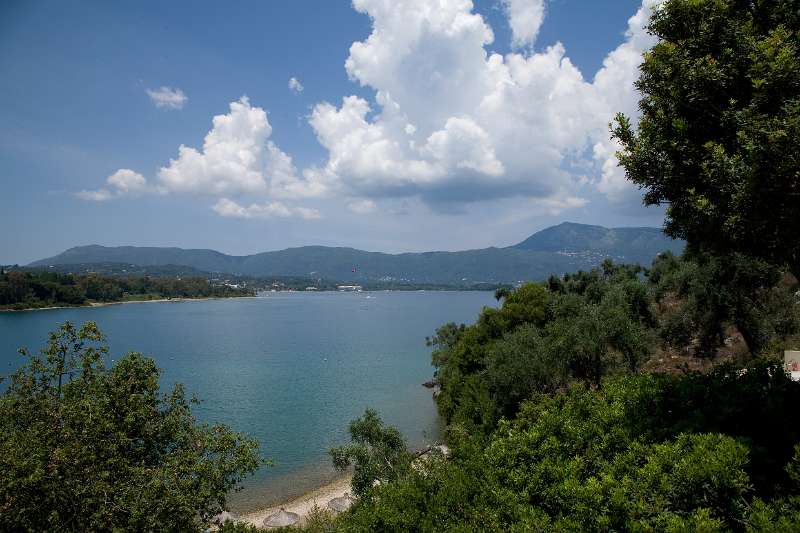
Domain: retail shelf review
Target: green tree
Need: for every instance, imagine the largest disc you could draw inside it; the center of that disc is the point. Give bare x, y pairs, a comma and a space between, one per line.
719, 136
377, 453
521, 364
716, 291
89, 448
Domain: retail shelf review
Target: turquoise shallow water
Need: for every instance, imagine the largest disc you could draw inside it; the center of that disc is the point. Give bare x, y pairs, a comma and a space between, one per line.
291, 369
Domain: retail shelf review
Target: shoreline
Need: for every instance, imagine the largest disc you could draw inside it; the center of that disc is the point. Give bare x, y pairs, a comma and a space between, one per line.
302, 505
91, 305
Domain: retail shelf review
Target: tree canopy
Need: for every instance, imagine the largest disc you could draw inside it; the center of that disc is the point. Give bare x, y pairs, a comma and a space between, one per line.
542, 337
719, 136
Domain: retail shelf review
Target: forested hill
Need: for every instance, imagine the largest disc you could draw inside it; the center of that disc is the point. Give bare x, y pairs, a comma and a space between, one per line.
635, 244
564, 248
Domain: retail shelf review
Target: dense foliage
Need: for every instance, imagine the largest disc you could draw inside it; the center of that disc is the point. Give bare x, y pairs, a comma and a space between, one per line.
580, 327
587, 325
711, 292
89, 448
719, 136
641, 453
32, 289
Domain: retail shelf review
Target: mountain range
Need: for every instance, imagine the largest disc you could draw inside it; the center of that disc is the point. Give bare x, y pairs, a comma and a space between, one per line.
567, 247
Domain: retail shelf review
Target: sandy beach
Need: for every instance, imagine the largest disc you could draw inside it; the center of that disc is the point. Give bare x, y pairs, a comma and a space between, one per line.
305, 503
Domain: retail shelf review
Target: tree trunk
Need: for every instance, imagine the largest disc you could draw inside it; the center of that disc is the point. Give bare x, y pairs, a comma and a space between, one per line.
749, 340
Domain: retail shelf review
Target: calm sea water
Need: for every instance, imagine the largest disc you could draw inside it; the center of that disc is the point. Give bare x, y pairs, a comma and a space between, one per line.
291, 369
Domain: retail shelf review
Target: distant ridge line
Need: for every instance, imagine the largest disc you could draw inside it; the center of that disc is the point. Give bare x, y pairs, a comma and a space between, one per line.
563, 248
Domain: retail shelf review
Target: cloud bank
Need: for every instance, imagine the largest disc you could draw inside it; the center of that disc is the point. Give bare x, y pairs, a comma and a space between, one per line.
228, 208
455, 123
451, 123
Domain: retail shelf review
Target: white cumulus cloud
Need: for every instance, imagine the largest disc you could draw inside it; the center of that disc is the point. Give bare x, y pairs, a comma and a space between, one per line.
229, 208
123, 182
449, 122
167, 97
525, 18
237, 159
127, 181
295, 85
232, 159
463, 144
615, 82
456, 123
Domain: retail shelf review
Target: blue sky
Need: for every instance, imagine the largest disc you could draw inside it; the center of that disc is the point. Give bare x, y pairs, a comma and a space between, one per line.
451, 138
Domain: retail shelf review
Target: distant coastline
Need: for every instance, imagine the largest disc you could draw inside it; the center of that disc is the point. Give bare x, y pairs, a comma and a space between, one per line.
27, 290
259, 295
120, 302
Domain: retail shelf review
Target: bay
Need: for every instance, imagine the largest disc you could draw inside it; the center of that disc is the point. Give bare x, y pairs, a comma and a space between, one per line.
290, 369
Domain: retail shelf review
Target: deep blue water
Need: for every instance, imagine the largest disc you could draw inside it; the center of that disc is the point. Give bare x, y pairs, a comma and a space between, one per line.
291, 369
